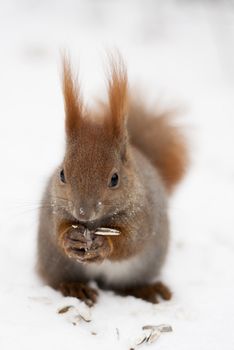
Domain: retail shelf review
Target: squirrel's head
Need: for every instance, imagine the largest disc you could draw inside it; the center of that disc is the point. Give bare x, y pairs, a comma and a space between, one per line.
95, 176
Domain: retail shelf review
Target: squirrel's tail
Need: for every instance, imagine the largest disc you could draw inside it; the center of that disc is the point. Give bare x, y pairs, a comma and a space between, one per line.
162, 142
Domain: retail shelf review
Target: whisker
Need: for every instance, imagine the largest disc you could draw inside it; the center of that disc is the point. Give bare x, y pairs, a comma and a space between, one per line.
60, 198
46, 206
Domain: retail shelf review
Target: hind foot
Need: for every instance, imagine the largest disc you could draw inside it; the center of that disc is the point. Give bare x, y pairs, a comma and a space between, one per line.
79, 290
149, 292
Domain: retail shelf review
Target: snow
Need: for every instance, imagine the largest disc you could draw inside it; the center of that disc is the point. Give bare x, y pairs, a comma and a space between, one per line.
180, 52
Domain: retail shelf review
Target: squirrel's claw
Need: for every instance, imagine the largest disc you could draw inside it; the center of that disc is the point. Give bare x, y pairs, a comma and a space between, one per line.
79, 290
92, 249
149, 292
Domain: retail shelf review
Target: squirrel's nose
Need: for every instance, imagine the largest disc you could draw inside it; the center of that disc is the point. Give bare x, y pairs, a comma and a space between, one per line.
86, 213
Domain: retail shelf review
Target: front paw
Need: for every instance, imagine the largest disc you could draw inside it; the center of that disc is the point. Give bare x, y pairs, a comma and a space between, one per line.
99, 250
84, 246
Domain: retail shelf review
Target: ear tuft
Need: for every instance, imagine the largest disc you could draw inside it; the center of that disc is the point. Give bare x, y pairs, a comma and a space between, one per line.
72, 99
117, 92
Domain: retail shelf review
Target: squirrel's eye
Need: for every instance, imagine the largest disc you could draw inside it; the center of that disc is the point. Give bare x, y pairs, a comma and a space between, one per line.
62, 176
114, 180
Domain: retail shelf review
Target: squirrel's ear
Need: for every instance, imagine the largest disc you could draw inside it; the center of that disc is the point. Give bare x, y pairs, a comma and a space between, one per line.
72, 100
118, 94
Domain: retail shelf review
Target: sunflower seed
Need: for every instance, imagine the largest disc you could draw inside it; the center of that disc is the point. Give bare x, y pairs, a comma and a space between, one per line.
65, 309
161, 327
105, 231
141, 340
164, 328
154, 335
86, 315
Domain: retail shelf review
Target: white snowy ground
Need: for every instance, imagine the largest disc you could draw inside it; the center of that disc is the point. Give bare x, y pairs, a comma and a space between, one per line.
181, 52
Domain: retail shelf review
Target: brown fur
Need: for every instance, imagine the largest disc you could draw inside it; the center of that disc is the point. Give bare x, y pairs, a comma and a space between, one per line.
162, 142
79, 290
73, 244
72, 99
145, 151
149, 292
117, 93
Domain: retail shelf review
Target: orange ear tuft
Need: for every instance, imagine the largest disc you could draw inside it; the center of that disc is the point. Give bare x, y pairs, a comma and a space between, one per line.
117, 92
72, 100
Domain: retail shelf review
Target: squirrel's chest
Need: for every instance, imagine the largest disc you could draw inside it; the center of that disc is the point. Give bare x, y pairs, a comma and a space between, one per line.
117, 273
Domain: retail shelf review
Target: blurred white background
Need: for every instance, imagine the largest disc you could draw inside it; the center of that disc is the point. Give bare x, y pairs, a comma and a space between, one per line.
178, 53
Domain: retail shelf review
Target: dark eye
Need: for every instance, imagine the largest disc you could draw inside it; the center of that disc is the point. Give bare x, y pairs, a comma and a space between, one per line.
114, 180
62, 176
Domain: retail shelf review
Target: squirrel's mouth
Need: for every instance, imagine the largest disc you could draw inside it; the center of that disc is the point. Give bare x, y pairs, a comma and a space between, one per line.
90, 224
104, 221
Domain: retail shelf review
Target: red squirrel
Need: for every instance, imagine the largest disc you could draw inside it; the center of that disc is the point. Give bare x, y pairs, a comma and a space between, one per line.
121, 163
